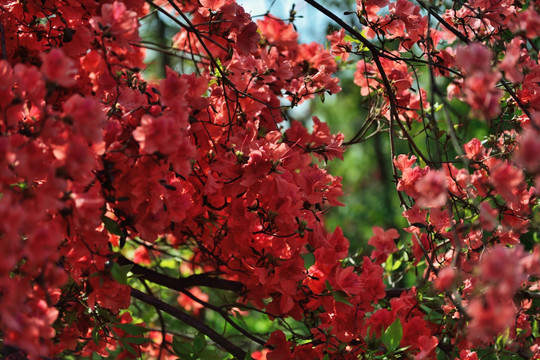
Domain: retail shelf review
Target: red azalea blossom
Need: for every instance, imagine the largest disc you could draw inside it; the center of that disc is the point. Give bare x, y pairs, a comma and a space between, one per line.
384, 243
132, 190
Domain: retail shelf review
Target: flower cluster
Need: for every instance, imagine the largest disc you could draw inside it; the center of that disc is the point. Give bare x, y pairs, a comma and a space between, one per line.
208, 168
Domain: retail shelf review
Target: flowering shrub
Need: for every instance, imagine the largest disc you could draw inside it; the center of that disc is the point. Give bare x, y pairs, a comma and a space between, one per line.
132, 205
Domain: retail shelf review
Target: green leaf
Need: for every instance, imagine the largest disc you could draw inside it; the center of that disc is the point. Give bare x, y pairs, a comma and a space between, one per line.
199, 343
95, 335
368, 334
392, 336
349, 38
432, 315
352, 39
341, 296
119, 272
132, 329
181, 348
502, 340
127, 347
535, 331
136, 340
21, 185
220, 69
169, 263
111, 226
328, 286
70, 317
389, 261
309, 260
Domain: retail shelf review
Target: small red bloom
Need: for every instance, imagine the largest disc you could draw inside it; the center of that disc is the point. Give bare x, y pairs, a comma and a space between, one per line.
59, 68
445, 278
432, 189
384, 244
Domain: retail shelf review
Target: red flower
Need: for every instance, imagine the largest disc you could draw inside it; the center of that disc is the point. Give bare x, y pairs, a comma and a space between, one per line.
507, 179
281, 348
347, 280
213, 5
489, 319
445, 278
122, 23
59, 68
384, 244
339, 46
248, 39
432, 189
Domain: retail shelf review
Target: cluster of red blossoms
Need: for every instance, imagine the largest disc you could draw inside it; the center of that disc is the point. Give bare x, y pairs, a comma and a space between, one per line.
94, 156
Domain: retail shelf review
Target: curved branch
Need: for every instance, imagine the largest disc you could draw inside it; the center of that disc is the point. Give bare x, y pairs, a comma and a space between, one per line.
237, 352
180, 284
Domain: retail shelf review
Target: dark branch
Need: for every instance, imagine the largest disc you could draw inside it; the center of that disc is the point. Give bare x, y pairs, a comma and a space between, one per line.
395, 292
182, 316
3, 42
452, 29
180, 284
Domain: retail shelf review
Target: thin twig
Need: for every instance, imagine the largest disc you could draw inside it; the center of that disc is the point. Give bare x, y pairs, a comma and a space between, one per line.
3, 42
394, 115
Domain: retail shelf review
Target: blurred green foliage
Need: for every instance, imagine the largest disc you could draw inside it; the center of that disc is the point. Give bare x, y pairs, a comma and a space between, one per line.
370, 195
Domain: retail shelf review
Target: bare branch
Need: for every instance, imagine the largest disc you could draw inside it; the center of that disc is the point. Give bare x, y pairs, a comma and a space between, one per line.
180, 284
182, 316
